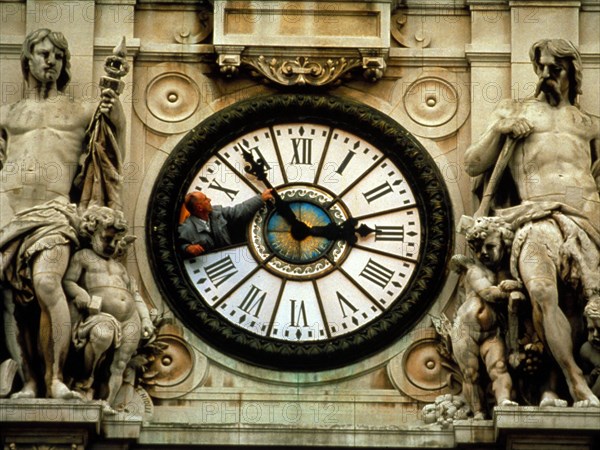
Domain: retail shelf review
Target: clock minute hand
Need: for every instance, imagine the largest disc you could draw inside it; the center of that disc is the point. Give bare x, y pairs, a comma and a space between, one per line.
258, 169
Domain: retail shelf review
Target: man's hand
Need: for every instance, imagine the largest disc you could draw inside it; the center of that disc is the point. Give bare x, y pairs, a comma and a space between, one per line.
267, 195
194, 250
515, 127
107, 101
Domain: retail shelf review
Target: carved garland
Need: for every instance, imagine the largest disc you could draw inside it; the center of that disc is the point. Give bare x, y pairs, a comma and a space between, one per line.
196, 147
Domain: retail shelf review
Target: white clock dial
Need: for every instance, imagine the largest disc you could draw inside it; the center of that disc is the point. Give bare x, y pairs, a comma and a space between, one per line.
347, 259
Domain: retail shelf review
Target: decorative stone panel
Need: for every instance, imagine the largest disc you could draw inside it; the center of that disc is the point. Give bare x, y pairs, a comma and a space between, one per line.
302, 42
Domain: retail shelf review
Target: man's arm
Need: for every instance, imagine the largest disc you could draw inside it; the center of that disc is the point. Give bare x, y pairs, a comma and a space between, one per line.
482, 155
245, 210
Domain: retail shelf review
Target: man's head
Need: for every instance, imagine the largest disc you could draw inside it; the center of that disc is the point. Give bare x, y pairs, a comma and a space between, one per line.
558, 66
198, 204
45, 56
490, 238
106, 229
592, 317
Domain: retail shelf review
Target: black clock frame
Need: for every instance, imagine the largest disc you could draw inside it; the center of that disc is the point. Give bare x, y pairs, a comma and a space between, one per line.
421, 172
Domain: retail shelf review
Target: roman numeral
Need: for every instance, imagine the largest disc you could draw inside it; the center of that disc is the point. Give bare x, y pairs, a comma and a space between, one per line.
389, 233
377, 273
302, 151
344, 301
220, 271
345, 162
377, 192
231, 193
255, 151
253, 301
298, 315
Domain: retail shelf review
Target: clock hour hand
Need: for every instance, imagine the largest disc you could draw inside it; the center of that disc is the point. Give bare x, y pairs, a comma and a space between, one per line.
345, 231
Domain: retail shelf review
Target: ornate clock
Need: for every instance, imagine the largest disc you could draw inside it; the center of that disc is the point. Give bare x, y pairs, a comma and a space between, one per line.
348, 258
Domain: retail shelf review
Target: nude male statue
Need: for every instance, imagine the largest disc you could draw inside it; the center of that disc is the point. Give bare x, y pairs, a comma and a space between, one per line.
554, 165
41, 141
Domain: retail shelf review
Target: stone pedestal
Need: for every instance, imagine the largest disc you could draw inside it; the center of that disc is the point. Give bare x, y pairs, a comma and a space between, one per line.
64, 424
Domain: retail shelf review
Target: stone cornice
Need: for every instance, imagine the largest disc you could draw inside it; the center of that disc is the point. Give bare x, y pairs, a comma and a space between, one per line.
544, 4
478, 5
418, 57
11, 45
480, 56
177, 52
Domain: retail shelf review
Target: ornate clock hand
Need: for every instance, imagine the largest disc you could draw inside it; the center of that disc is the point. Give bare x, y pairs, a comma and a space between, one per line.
257, 168
345, 231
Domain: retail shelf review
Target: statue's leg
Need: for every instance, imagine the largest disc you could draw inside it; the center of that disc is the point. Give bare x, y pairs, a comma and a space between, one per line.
99, 342
131, 338
19, 347
466, 352
49, 267
538, 273
493, 353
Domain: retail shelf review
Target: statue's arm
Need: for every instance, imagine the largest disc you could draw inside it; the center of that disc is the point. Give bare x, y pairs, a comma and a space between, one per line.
483, 153
2, 147
142, 309
480, 280
595, 144
112, 108
71, 282
3, 136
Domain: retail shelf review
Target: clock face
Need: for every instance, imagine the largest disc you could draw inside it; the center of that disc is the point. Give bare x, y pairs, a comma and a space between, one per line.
283, 296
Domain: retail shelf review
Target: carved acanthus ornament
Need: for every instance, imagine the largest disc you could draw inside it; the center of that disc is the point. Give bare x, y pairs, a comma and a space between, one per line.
302, 70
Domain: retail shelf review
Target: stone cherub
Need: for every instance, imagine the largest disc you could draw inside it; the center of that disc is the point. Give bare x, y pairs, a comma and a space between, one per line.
590, 350
109, 314
476, 332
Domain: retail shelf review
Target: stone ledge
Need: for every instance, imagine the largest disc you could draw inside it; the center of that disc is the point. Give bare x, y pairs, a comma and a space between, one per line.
61, 415
535, 418
48, 411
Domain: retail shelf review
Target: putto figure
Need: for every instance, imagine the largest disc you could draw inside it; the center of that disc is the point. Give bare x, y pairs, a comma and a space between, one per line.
554, 164
111, 315
41, 141
590, 350
476, 331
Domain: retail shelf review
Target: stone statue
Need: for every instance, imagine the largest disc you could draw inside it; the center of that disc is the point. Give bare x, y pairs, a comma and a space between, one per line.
41, 142
108, 314
551, 148
590, 350
476, 331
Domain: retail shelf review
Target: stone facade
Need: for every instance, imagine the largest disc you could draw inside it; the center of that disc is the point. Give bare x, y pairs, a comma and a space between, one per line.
438, 68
